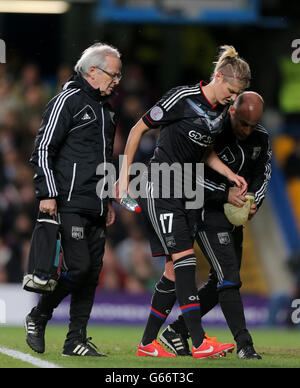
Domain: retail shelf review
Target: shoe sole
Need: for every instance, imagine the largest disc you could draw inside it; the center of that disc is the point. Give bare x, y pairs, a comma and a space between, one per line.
221, 354
224, 352
215, 355
78, 355
207, 357
74, 355
28, 343
149, 355
250, 358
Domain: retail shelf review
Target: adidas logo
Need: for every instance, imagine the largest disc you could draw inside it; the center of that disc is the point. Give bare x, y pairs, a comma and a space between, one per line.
81, 350
86, 116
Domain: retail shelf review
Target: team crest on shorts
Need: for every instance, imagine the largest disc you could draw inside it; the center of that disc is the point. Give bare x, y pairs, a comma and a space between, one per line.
224, 238
171, 242
77, 232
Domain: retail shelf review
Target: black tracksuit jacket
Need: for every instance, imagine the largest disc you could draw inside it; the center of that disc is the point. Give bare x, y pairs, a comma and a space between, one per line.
76, 135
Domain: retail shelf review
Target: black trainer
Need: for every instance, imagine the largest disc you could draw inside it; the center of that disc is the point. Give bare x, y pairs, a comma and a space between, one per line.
175, 341
81, 348
248, 352
35, 332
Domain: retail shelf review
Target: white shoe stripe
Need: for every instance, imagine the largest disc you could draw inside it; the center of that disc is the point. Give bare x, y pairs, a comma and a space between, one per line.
81, 350
76, 349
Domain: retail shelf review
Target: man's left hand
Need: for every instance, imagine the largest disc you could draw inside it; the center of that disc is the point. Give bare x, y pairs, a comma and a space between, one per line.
253, 211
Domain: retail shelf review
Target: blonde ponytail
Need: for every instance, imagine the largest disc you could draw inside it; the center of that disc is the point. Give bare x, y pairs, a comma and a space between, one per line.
231, 66
226, 53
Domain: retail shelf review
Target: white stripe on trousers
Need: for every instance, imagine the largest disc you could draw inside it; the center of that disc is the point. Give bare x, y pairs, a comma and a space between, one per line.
211, 255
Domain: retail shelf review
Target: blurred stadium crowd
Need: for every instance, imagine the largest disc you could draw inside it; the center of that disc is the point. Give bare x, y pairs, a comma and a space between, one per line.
24, 93
23, 97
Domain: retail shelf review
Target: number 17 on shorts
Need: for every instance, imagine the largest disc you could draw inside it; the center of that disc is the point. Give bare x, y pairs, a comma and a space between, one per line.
166, 221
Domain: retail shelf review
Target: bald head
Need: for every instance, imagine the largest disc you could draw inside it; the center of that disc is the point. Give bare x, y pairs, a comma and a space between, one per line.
250, 104
245, 113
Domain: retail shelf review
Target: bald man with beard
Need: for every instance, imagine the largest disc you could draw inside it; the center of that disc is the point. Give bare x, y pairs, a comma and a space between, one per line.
244, 146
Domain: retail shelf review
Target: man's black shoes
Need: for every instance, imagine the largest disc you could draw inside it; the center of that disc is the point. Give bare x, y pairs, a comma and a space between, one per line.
35, 332
175, 341
247, 353
81, 348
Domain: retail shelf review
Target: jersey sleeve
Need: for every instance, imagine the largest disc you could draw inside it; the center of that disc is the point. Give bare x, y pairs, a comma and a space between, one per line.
216, 190
167, 110
259, 181
54, 127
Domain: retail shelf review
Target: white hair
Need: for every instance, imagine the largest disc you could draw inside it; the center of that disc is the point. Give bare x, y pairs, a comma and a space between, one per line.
95, 55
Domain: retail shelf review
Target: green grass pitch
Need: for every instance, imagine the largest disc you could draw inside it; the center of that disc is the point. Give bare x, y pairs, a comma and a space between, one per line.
279, 349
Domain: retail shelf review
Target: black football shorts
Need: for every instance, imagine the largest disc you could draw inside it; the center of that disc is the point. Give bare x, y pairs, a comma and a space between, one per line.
171, 228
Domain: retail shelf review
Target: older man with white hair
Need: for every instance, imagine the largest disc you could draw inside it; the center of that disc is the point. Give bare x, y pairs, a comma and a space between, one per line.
76, 135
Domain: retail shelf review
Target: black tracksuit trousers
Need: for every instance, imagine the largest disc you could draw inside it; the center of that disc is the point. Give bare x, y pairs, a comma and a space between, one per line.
223, 250
83, 243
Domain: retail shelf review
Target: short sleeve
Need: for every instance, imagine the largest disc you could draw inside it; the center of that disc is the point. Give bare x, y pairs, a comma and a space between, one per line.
167, 110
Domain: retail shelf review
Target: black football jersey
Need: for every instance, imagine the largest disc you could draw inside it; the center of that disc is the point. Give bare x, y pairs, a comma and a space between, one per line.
250, 158
189, 124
